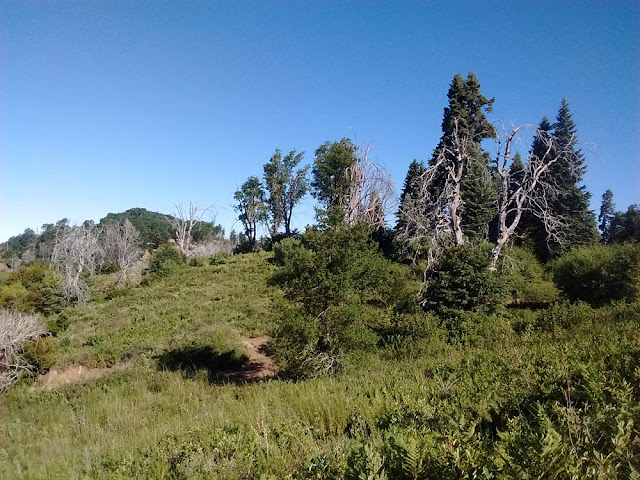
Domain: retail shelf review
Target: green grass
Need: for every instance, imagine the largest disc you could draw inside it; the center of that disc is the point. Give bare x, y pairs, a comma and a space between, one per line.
430, 406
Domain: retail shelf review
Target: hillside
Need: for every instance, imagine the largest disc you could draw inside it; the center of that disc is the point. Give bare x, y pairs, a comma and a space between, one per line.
175, 395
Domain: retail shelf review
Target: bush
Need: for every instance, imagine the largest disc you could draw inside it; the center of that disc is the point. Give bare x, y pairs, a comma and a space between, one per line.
341, 288
599, 274
525, 279
164, 259
461, 280
219, 258
40, 353
196, 262
565, 315
33, 288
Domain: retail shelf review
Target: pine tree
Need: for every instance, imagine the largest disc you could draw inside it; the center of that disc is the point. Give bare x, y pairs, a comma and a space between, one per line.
466, 111
607, 212
573, 200
416, 169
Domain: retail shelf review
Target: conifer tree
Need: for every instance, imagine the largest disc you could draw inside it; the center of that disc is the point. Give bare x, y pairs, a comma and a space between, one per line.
607, 212
416, 169
465, 117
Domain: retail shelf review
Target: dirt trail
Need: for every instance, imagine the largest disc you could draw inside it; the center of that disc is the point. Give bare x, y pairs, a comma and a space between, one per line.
73, 374
260, 366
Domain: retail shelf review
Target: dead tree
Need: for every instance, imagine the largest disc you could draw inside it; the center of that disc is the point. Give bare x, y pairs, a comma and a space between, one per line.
183, 221
77, 251
532, 192
122, 249
433, 215
371, 190
16, 329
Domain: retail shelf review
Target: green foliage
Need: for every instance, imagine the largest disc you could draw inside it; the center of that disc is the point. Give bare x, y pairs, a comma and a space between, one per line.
32, 288
339, 283
153, 226
599, 274
461, 280
607, 213
625, 226
40, 354
196, 262
330, 183
219, 258
251, 208
164, 259
466, 109
286, 187
525, 278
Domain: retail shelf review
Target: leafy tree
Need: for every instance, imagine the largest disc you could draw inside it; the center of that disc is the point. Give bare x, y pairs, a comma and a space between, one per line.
286, 187
416, 169
330, 184
251, 207
465, 118
607, 212
626, 226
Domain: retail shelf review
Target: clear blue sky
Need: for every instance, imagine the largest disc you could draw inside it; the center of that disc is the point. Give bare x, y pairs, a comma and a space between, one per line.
109, 105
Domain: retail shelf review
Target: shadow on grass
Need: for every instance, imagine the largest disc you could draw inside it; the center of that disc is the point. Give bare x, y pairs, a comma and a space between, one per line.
225, 367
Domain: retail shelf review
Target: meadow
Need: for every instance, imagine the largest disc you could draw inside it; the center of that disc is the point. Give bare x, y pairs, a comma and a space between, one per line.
519, 393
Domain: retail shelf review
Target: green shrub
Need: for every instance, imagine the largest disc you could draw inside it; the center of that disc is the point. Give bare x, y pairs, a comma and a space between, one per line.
164, 259
342, 288
41, 354
196, 262
600, 274
461, 280
219, 258
525, 279
58, 324
565, 315
33, 288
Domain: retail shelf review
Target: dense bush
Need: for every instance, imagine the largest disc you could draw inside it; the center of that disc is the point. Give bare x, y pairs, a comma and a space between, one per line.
164, 259
342, 289
599, 274
40, 353
461, 280
32, 288
525, 279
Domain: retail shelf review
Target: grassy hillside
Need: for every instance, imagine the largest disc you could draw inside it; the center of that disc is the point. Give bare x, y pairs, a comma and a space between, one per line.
521, 395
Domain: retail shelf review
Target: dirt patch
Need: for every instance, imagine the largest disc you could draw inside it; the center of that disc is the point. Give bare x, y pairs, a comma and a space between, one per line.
72, 374
260, 366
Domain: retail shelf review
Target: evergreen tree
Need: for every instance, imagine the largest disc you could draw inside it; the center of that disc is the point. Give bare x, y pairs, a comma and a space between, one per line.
330, 184
571, 201
607, 212
467, 108
416, 169
626, 226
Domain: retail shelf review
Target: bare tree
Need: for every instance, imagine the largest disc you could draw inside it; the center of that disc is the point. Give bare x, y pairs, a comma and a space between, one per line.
183, 221
16, 328
371, 190
77, 251
532, 192
122, 249
434, 215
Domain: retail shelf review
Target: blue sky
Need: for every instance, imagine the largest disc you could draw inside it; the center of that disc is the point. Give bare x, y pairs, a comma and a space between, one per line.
106, 106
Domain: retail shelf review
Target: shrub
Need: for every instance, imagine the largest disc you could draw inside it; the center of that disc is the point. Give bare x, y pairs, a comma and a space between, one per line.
461, 280
525, 279
219, 258
565, 315
599, 274
164, 259
196, 262
40, 353
341, 288
33, 288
